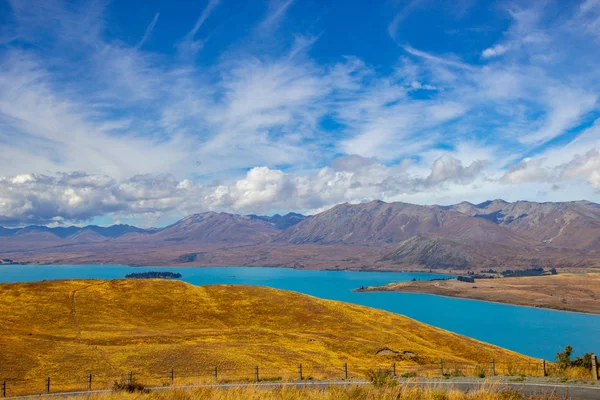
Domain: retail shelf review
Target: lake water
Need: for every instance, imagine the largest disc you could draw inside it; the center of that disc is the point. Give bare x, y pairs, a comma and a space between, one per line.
532, 331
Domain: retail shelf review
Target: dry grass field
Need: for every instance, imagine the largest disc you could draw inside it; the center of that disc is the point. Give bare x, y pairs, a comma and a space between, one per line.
565, 291
331, 393
66, 330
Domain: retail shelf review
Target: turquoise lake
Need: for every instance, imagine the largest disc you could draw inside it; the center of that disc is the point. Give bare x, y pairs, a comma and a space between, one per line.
532, 331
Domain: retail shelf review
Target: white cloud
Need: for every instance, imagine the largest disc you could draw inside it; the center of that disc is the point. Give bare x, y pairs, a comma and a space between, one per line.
565, 108
43, 199
275, 13
449, 169
189, 46
76, 197
585, 167
581, 168
149, 30
495, 51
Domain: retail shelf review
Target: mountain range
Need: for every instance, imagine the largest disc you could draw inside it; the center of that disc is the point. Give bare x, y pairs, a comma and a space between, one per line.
368, 236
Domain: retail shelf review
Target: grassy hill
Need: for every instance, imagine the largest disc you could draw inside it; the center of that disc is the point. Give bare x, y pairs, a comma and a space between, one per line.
67, 329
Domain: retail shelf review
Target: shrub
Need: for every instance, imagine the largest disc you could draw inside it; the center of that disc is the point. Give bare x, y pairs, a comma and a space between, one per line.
563, 359
130, 386
585, 361
381, 377
480, 372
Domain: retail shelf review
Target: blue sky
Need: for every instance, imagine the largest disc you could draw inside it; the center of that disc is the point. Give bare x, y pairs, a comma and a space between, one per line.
143, 112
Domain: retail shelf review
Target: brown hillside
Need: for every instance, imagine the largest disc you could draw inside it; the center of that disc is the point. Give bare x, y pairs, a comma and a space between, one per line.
378, 222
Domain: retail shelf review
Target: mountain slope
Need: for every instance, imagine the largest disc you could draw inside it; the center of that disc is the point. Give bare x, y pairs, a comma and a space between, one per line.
379, 223
442, 252
569, 224
212, 227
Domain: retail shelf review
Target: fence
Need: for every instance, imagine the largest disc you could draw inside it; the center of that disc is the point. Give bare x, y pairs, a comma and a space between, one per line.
215, 374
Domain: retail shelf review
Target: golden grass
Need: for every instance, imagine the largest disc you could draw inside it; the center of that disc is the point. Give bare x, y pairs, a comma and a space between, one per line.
363, 392
69, 329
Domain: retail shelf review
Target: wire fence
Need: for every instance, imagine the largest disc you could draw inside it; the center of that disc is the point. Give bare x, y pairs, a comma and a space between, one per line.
76, 382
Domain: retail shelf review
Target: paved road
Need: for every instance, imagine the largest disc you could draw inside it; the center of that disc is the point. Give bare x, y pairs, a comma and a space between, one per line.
560, 390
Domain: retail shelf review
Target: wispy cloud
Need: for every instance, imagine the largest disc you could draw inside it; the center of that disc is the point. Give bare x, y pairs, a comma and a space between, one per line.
149, 30
255, 130
189, 45
275, 14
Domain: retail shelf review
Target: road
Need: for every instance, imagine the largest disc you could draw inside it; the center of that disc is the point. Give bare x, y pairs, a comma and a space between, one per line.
562, 391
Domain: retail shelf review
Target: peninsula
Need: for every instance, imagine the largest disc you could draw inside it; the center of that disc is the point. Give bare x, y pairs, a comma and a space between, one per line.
566, 291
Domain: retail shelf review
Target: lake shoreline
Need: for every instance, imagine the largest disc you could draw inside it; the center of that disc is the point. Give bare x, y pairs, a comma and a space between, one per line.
575, 292
188, 266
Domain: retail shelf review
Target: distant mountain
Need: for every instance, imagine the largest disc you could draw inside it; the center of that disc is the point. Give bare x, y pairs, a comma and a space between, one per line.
378, 222
7, 231
369, 236
281, 221
212, 227
570, 224
70, 232
61, 232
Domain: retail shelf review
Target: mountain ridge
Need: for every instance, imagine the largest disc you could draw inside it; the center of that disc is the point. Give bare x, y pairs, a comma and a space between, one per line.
366, 236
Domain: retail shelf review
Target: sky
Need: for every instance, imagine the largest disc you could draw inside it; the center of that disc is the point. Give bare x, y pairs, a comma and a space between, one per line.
143, 112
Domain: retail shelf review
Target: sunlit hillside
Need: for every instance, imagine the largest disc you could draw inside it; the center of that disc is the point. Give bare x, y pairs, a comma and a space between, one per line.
68, 329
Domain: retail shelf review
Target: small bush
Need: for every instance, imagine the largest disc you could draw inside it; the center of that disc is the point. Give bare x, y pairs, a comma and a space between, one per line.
130, 386
381, 377
409, 375
480, 372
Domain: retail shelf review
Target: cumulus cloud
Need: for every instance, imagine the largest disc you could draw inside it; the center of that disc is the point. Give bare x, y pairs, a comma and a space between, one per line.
528, 170
78, 196
449, 169
585, 167
581, 168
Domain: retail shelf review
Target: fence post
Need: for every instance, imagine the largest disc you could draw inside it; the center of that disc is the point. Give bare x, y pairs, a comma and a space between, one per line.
441, 365
130, 377
299, 372
90, 381
172, 376
594, 367
394, 369
345, 370
48, 385
256, 373
215, 372
3, 388
492, 367
544, 368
